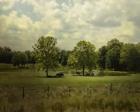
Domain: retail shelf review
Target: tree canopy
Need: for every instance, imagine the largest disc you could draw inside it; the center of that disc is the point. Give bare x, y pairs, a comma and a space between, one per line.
102, 57
5, 55
113, 54
130, 57
46, 52
83, 55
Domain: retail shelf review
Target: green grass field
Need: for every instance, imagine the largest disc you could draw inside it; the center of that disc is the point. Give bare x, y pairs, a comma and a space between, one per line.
31, 77
27, 90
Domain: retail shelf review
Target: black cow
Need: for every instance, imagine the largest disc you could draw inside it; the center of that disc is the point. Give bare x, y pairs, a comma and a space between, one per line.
89, 73
60, 74
78, 72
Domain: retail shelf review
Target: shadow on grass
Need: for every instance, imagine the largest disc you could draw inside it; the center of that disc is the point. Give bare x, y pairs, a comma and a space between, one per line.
55, 76
49, 77
84, 75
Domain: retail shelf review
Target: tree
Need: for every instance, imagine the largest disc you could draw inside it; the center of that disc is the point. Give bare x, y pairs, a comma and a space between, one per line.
5, 55
102, 57
19, 59
28, 54
84, 55
63, 57
72, 60
30, 57
112, 58
113, 54
130, 57
46, 52
16, 59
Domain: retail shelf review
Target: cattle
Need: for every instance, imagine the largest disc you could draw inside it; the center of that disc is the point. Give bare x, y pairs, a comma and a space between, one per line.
78, 72
60, 74
89, 74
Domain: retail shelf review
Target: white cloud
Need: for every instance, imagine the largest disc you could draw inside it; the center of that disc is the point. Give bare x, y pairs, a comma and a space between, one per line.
16, 29
70, 21
7, 4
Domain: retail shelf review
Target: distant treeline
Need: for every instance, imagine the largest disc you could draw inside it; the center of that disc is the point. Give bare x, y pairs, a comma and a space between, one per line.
115, 55
21, 58
17, 58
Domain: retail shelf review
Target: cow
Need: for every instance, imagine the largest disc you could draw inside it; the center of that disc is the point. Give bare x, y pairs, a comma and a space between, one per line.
60, 74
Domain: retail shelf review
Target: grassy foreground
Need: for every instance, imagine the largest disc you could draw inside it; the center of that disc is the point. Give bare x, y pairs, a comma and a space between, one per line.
31, 91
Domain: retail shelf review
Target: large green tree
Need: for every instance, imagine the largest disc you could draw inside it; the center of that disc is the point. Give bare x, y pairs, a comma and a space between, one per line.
113, 54
46, 52
84, 55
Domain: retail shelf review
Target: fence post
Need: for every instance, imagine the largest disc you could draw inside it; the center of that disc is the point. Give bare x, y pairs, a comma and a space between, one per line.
110, 88
48, 91
69, 90
23, 92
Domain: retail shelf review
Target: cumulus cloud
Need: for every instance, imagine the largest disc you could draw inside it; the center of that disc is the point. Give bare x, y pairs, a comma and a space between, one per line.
7, 4
24, 21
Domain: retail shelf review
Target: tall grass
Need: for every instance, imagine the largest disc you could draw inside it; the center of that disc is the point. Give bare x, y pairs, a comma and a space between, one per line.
121, 98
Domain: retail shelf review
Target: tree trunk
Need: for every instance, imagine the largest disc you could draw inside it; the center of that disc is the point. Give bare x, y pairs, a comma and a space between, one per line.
46, 72
83, 70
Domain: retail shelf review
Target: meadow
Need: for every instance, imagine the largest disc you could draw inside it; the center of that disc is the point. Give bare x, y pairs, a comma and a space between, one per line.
28, 90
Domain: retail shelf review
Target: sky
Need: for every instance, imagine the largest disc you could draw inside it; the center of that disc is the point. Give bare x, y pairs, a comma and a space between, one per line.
22, 22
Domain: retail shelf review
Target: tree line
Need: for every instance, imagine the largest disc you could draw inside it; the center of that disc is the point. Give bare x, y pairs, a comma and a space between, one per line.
119, 56
17, 58
116, 55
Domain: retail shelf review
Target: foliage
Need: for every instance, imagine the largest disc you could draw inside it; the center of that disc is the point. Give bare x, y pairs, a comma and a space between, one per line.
72, 60
31, 57
5, 55
83, 55
113, 54
19, 59
46, 53
102, 57
130, 57
63, 57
